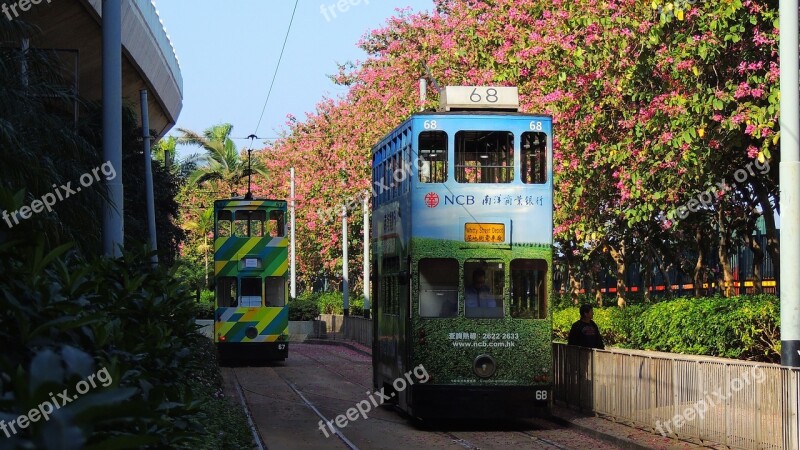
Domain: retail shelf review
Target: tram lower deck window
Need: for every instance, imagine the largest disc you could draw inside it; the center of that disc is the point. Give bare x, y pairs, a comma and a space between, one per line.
438, 287
226, 292
275, 290
529, 289
250, 292
483, 288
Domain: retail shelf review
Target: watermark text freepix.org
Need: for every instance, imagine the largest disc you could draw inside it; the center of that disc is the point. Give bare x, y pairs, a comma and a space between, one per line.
365, 406
705, 199
329, 11
701, 407
59, 194
43, 411
23, 5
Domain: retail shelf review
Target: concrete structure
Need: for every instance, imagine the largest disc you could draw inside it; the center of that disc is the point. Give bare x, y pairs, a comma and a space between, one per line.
73, 28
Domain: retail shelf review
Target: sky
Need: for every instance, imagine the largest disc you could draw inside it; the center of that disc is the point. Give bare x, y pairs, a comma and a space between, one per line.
228, 51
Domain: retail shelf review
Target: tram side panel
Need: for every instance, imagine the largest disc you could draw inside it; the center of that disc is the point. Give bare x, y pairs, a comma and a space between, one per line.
391, 289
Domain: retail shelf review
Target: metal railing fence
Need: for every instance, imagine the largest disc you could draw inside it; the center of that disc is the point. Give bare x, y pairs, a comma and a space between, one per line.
736, 403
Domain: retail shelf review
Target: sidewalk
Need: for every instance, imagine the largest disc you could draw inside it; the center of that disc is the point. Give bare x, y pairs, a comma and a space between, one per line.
612, 432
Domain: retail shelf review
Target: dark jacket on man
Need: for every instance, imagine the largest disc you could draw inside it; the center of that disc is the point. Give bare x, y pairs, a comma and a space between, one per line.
586, 335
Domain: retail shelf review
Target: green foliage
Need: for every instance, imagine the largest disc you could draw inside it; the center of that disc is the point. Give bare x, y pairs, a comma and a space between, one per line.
332, 303
745, 327
303, 309
65, 318
204, 309
224, 423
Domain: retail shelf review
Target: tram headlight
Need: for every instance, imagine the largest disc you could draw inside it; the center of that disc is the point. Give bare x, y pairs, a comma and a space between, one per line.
484, 366
251, 332
221, 338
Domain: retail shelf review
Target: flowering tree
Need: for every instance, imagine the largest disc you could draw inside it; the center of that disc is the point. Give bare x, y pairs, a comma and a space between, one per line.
653, 104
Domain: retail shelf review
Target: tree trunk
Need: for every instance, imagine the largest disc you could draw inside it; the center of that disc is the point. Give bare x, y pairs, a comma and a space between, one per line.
574, 286
758, 260
205, 254
647, 279
598, 286
724, 253
773, 244
698, 267
619, 259
664, 275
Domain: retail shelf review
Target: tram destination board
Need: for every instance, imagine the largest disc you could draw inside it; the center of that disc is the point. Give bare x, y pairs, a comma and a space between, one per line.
485, 232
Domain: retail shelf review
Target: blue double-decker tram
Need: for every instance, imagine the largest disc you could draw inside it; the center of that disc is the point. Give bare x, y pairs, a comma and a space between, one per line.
462, 227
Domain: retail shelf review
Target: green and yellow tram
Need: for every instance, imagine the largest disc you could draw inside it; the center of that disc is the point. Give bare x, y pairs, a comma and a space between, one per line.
250, 270
462, 227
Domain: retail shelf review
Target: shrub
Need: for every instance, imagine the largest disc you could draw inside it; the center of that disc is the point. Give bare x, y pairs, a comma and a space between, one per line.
65, 318
330, 303
204, 309
333, 303
303, 309
745, 327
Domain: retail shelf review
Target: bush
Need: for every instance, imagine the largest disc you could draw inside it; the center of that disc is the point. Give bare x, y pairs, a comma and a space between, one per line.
65, 318
330, 303
745, 327
303, 309
204, 309
333, 303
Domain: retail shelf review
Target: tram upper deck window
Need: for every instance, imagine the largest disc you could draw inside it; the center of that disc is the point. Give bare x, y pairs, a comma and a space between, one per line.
483, 288
529, 289
484, 157
224, 221
438, 287
249, 223
432, 151
277, 223
534, 158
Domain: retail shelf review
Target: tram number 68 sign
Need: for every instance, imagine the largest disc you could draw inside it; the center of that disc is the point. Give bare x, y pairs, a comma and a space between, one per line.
490, 94
541, 395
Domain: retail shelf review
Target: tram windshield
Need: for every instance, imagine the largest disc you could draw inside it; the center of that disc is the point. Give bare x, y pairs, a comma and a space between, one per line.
483, 288
250, 292
249, 223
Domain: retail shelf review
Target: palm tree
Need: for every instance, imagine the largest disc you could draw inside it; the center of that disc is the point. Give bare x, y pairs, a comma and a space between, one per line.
222, 161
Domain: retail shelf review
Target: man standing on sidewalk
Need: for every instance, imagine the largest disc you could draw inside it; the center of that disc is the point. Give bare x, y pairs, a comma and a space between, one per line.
585, 332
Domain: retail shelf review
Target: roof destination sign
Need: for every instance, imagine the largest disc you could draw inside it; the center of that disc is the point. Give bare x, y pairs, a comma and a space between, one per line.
455, 98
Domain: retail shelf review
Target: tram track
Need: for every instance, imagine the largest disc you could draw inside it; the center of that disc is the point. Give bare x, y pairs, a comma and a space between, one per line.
311, 396
465, 443
543, 440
